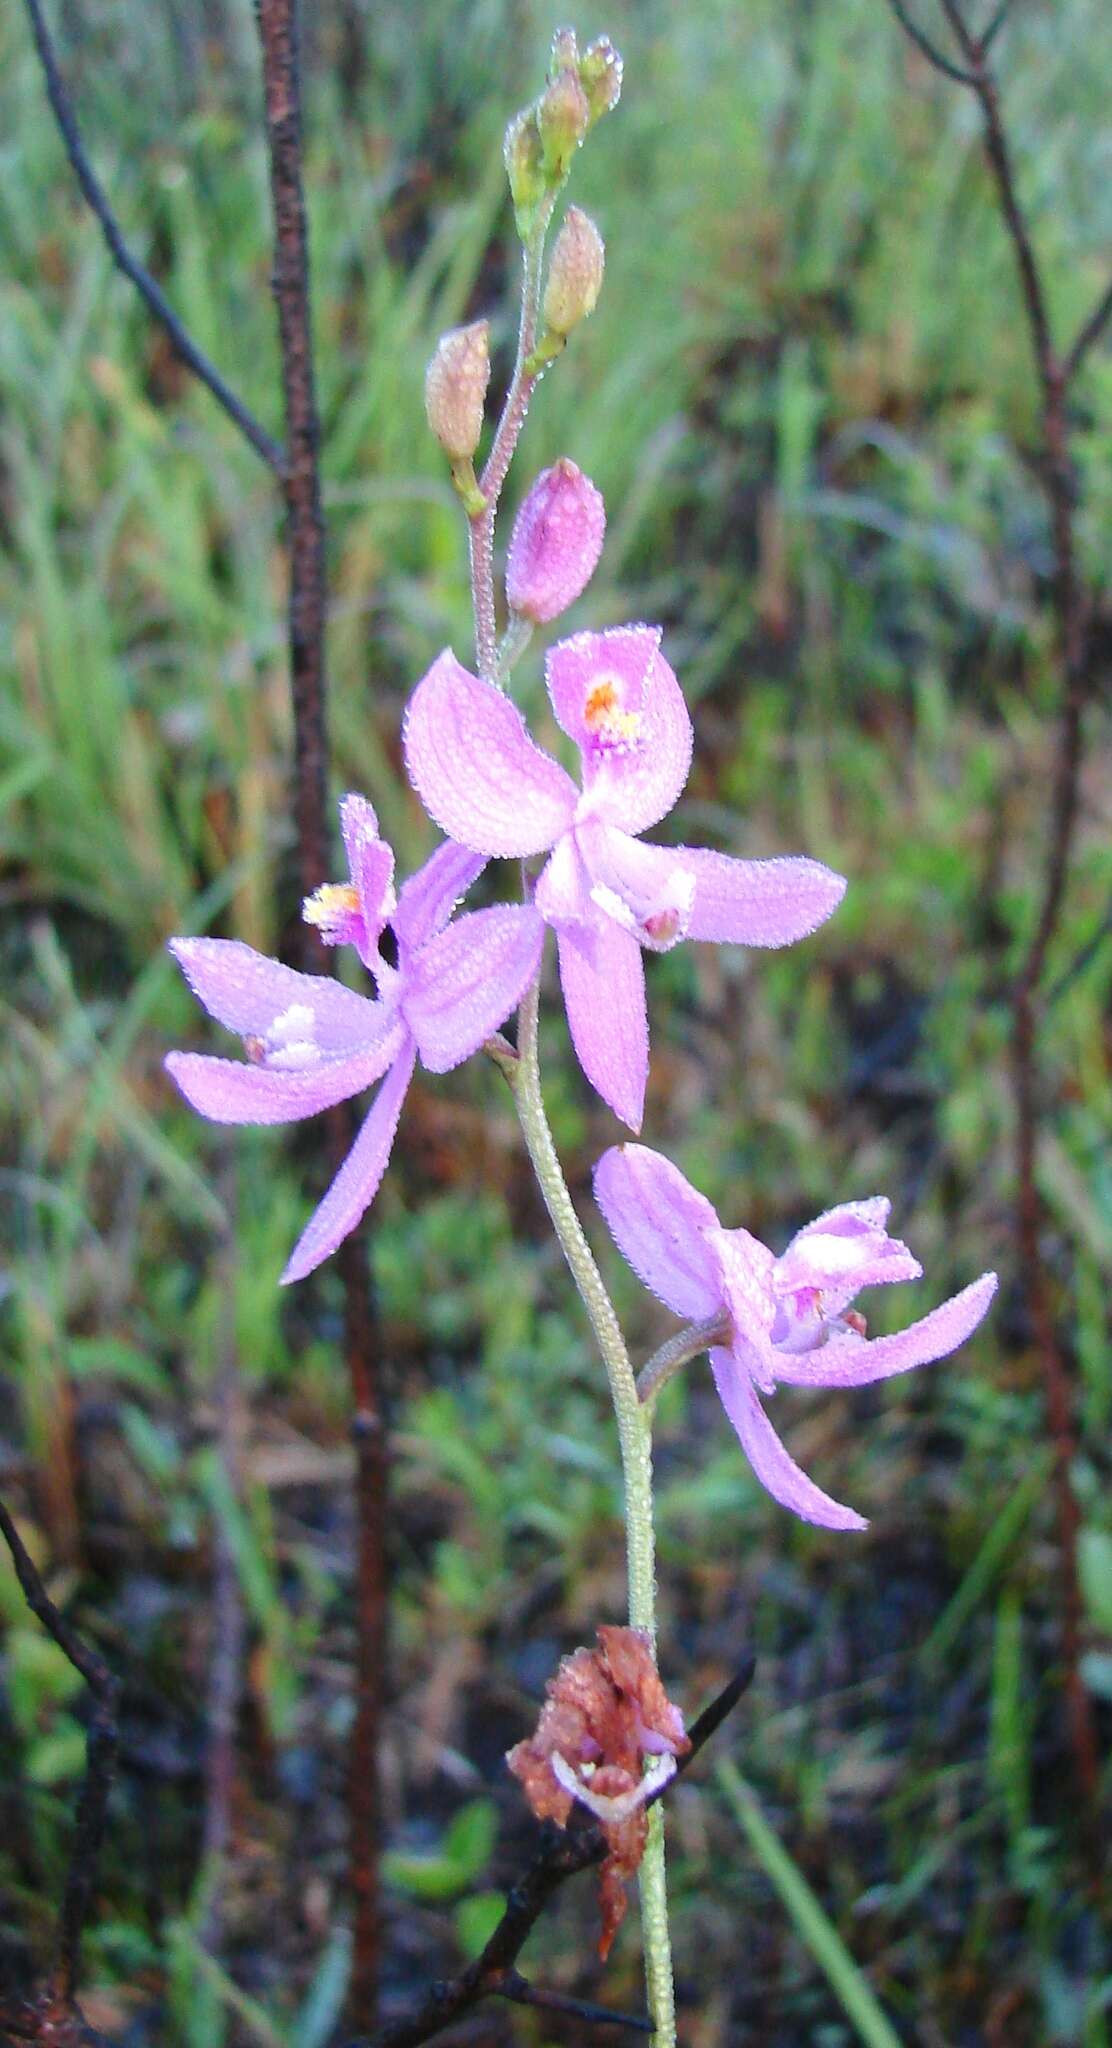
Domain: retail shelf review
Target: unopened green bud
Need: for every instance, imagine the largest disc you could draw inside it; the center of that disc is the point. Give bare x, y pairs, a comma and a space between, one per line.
600, 75
575, 272
563, 118
565, 53
525, 169
455, 388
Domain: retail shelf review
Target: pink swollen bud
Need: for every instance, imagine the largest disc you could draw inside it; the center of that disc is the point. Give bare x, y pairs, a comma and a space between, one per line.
557, 540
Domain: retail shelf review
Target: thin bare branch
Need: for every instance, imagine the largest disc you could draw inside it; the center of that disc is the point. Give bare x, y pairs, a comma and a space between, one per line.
1058, 483
1082, 959
1030, 277
930, 50
1090, 334
520, 1992
957, 22
989, 34
1054, 375
155, 300
278, 26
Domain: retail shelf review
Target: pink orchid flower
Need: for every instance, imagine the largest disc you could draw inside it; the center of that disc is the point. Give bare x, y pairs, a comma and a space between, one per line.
311, 1042
605, 892
788, 1319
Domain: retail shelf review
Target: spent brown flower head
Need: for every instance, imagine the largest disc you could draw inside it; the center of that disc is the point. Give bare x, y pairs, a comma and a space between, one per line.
606, 1716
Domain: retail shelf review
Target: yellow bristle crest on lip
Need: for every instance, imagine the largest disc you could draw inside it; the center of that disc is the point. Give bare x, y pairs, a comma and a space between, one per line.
329, 904
604, 716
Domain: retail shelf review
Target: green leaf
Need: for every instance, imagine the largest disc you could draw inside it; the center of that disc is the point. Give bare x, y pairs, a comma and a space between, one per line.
463, 1854
470, 1837
476, 1919
57, 1758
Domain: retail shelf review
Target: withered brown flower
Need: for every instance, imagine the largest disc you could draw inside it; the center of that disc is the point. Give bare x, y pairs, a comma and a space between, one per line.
606, 1715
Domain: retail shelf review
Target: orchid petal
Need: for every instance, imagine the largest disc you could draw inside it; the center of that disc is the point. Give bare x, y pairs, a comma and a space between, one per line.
370, 860
467, 979
235, 1092
853, 1361
476, 770
604, 995
357, 1182
777, 1472
660, 1224
745, 1267
616, 696
246, 991
563, 891
427, 900
758, 902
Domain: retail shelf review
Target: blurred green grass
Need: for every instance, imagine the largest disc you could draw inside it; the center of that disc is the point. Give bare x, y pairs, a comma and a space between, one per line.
807, 398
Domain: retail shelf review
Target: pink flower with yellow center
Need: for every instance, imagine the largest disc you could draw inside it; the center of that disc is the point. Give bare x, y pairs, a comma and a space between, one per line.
786, 1321
606, 893
311, 1042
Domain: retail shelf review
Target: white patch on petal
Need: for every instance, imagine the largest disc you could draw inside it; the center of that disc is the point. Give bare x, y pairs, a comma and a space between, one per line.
290, 1043
829, 1254
290, 1058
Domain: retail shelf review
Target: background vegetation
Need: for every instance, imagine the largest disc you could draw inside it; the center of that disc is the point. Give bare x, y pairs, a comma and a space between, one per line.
808, 400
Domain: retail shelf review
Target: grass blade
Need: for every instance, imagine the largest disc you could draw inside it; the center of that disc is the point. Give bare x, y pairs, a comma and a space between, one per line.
812, 1923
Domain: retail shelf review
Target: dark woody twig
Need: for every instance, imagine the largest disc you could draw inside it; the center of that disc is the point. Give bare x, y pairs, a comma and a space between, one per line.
1081, 960
1090, 333
100, 1756
923, 42
278, 35
562, 1855
520, 1992
155, 300
992, 28
1055, 374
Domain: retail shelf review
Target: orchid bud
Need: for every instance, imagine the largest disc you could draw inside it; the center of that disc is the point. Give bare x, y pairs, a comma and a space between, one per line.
563, 118
600, 75
556, 543
455, 388
575, 272
525, 170
564, 54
